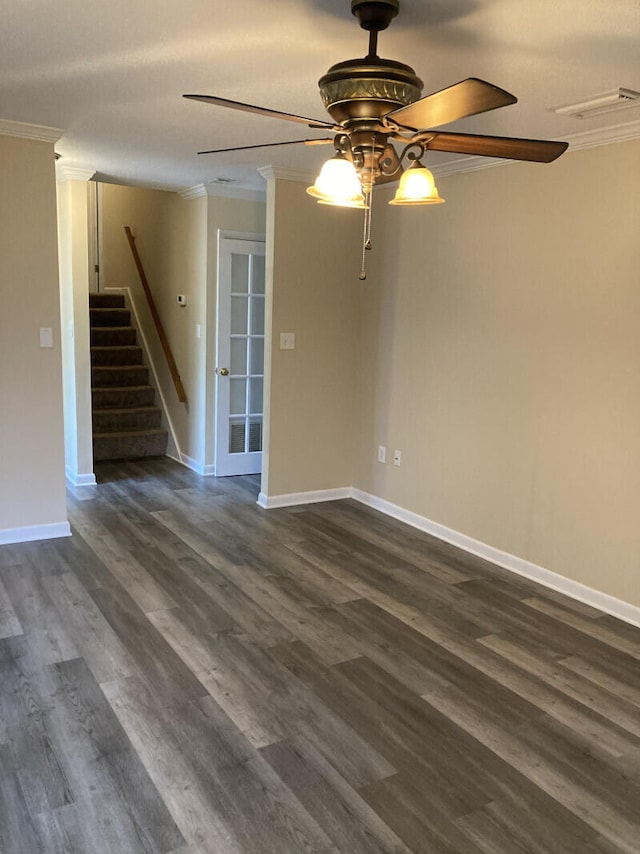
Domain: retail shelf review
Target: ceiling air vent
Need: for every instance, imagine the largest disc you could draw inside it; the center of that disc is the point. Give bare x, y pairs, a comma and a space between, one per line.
596, 105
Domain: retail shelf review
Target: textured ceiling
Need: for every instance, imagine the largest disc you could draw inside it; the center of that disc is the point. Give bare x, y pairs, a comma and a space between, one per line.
111, 74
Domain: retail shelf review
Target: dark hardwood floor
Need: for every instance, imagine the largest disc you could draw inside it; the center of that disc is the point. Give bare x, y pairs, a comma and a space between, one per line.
190, 674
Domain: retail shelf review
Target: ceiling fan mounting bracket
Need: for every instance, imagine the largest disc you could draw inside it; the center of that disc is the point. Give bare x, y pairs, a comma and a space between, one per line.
375, 15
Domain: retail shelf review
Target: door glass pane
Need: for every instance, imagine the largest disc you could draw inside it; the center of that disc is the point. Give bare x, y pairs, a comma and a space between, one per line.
239, 274
257, 285
257, 315
237, 396
239, 307
238, 361
257, 355
255, 395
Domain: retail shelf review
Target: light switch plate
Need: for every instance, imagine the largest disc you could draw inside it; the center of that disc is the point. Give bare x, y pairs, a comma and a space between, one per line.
287, 340
46, 337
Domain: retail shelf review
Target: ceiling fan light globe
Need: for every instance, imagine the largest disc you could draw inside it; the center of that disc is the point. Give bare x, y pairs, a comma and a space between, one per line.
417, 187
338, 184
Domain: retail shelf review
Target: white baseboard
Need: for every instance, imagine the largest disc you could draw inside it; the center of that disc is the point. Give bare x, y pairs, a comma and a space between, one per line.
75, 479
194, 465
269, 502
574, 589
29, 533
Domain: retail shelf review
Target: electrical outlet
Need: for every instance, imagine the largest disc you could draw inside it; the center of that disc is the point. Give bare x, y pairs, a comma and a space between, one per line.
397, 456
382, 454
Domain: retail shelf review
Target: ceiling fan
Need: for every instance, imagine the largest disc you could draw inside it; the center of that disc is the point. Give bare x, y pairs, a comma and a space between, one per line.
372, 101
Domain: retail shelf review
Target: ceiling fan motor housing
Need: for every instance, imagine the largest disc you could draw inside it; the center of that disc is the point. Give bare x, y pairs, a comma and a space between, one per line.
367, 89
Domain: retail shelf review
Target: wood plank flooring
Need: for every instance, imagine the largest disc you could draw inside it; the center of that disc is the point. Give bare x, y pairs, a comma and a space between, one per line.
189, 674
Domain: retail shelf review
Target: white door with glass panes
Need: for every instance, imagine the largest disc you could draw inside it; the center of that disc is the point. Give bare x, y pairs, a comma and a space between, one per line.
240, 356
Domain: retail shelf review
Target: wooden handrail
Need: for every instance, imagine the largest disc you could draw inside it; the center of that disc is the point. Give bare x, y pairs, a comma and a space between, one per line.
173, 369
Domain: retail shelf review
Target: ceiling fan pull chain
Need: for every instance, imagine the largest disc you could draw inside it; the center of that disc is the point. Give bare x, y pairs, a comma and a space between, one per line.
366, 234
363, 272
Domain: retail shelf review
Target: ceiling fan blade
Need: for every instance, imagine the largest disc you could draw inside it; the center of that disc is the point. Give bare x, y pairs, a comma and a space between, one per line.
463, 99
269, 145
537, 150
262, 111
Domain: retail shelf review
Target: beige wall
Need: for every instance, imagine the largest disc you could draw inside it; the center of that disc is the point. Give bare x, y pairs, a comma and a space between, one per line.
500, 353
177, 242
312, 289
32, 475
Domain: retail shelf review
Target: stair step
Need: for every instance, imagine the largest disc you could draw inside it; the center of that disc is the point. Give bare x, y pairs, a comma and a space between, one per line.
129, 445
113, 336
109, 317
119, 375
116, 355
121, 397
106, 301
126, 420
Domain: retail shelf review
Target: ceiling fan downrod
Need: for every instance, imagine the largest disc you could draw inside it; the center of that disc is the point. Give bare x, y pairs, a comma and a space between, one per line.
374, 16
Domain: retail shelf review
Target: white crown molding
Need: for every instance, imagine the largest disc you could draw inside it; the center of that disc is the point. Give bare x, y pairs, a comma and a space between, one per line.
65, 172
233, 191
197, 192
604, 136
29, 533
219, 189
42, 133
272, 173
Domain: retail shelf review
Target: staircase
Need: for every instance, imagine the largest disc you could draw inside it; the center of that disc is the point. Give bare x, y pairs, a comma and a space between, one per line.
126, 423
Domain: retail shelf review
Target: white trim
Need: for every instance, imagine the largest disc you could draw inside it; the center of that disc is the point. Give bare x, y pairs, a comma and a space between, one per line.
197, 192
193, 465
28, 131
29, 533
251, 236
224, 190
72, 173
165, 409
75, 479
231, 191
278, 172
604, 136
270, 502
574, 589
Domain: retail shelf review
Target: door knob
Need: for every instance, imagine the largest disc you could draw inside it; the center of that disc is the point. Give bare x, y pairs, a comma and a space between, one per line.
224, 372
